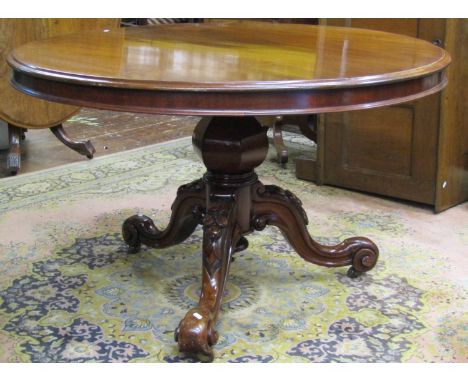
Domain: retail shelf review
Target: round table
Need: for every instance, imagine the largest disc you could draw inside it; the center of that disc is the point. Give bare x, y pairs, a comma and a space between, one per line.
232, 73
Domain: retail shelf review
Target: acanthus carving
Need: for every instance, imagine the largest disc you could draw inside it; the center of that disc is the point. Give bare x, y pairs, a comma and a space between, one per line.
195, 186
285, 195
196, 332
187, 212
217, 207
215, 223
230, 204
215, 220
281, 208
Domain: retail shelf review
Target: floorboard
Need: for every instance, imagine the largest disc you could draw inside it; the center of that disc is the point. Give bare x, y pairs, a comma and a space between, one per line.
109, 132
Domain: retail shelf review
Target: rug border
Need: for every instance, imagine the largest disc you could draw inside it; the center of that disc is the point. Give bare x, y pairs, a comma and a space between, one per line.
84, 163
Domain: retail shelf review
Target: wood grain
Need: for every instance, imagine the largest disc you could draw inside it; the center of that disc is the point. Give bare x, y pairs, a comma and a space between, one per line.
15, 107
452, 171
230, 56
407, 27
388, 151
242, 69
179, 102
108, 131
437, 154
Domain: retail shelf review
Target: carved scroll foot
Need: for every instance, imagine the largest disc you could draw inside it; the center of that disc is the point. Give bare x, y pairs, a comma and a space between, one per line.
196, 332
196, 335
81, 147
187, 211
364, 256
281, 208
353, 273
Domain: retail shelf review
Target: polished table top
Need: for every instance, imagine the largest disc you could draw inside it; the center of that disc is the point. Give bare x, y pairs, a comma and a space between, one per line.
225, 70
233, 58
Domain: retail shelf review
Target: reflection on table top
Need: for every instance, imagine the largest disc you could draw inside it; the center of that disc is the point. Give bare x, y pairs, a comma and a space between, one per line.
237, 56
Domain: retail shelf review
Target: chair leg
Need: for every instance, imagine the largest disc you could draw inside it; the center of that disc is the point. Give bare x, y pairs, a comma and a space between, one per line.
309, 127
14, 154
281, 150
81, 147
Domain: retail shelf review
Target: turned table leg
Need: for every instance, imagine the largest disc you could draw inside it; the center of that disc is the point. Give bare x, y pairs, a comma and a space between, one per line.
230, 202
14, 154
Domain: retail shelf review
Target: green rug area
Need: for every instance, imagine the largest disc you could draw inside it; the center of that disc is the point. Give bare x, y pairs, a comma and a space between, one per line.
70, 292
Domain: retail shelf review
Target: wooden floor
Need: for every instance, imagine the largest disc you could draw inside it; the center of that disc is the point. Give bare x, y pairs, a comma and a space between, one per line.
109, 132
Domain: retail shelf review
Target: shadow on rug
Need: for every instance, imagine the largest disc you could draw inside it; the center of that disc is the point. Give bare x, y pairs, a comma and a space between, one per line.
70, 292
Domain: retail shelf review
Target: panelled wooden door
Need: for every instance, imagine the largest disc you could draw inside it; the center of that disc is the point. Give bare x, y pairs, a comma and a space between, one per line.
389, 151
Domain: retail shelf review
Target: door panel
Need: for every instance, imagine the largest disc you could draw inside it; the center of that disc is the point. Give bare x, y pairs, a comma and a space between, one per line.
390, 151
375, 147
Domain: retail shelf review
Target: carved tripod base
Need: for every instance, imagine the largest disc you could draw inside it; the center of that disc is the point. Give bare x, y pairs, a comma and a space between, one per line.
230, 202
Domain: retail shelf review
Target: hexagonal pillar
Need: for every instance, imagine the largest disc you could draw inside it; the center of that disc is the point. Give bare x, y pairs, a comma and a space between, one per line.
230, 145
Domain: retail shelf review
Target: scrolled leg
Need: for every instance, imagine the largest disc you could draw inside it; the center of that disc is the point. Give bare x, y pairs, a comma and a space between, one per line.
81, 147
280, 208
196, 332
187, 211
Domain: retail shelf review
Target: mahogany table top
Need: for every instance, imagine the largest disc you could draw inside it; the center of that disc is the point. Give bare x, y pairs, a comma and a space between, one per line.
241, 68
230, 70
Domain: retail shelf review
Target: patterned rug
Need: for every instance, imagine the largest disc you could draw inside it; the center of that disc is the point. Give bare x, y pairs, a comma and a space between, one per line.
69, 292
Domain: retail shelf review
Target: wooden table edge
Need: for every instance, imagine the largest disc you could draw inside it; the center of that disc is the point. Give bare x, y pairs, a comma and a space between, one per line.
264, 102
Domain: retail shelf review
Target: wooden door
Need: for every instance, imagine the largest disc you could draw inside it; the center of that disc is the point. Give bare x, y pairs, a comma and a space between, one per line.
389, 151
452, 172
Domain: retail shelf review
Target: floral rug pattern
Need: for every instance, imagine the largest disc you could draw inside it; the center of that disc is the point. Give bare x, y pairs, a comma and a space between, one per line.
70, 292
